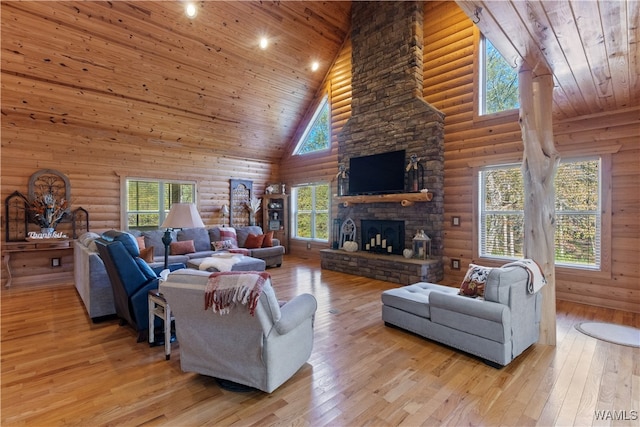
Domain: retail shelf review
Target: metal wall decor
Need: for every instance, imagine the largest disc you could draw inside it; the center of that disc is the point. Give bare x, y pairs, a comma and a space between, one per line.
241, 192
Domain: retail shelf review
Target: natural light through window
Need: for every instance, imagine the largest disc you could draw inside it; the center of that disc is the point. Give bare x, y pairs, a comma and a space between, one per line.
148, 201
310, 212
498, 81
317, 135
578, 206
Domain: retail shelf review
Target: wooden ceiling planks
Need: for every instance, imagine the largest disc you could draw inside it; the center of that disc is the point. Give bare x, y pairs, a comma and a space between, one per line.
590, 46
148, 64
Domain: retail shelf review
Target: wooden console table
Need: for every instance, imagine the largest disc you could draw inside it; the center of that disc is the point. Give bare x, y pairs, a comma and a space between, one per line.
38, 245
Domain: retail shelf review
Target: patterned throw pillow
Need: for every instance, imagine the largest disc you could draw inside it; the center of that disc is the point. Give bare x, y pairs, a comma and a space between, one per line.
183, 247
254, 241
147, 254
268, 240
229, 233
474, 281
223, 245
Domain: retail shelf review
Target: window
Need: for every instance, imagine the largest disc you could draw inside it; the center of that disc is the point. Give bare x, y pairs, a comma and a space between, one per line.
578, 206
499, 81
149, 201
317, 135
310, 209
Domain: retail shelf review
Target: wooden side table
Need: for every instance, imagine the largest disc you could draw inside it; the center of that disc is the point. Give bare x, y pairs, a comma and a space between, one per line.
159, 307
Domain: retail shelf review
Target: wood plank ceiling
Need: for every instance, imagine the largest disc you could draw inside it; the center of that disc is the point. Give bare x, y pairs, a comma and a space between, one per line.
202, 82
591, 47
209, 84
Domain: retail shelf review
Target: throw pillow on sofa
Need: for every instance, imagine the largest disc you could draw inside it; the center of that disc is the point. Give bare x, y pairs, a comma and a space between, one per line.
474, 281
254, 241
147, 254
223, 245
229, 233
268, 240
182, 248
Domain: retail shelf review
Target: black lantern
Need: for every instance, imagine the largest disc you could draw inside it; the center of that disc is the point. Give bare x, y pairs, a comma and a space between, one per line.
415, 174
343, 180
335, 232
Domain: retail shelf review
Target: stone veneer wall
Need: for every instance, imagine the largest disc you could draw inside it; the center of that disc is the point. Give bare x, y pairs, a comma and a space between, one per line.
389, 112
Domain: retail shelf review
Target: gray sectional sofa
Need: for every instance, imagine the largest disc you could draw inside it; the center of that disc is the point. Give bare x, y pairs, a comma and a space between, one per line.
92, 282
496, 328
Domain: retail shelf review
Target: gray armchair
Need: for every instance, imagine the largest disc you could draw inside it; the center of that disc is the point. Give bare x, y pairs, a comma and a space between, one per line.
261, 351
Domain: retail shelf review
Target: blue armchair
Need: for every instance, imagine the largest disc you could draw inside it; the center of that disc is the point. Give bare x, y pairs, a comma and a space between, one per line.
131, 279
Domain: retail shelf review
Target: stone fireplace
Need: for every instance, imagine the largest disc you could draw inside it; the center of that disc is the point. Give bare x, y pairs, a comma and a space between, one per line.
389, 113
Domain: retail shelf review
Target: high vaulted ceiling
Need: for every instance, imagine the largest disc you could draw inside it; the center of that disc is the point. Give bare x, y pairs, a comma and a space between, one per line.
591, 47
210, 85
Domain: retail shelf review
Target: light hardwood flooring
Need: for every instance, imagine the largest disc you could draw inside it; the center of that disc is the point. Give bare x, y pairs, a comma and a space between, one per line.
59, 368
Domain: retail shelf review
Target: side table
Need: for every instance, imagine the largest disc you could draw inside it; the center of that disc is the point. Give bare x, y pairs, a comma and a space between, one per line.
159, 307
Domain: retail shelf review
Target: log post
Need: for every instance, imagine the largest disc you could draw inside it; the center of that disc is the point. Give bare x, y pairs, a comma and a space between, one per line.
539, 165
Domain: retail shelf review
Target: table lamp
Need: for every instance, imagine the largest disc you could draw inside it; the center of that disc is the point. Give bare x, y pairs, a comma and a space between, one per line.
181, 215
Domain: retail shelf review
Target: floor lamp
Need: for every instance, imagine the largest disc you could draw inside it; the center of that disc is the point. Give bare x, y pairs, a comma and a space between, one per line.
181, 215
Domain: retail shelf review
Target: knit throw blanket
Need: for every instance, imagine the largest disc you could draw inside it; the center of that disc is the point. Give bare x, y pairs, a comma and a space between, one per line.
228, 288
536, 276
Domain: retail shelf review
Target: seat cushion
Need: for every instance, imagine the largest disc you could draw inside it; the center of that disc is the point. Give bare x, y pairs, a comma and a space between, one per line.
414, 298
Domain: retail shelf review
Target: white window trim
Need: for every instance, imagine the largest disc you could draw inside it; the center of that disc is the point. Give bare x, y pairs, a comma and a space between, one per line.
562, 270
294, 213
310, 123
124, 196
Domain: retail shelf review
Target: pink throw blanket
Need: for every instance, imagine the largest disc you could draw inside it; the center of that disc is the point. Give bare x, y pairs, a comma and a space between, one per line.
227, 288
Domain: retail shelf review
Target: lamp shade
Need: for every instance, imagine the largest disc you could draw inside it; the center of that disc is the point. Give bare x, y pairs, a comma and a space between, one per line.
225, 210
183, 215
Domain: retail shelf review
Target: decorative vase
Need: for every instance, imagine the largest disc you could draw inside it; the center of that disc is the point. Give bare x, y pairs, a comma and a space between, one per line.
407, 253
47, 230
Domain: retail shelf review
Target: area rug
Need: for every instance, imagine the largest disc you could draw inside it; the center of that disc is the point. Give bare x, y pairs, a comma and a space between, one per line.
617, 334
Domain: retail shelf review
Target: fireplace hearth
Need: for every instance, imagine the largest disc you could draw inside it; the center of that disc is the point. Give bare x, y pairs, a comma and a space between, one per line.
382, 236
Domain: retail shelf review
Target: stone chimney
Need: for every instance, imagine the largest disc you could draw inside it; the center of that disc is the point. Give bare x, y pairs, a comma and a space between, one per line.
389, 112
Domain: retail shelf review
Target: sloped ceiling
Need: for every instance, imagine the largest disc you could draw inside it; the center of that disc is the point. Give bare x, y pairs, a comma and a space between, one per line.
183, 83
205, 83
591, 47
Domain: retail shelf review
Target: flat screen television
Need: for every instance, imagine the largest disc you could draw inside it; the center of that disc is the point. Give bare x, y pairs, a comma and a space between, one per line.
381, 173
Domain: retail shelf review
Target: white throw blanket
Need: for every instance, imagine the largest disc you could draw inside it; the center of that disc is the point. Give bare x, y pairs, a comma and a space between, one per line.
220, 263
536, 276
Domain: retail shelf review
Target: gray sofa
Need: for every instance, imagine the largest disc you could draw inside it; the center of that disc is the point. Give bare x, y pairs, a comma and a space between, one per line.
496, 328
203, 239
91, 279
90, 275
261, 351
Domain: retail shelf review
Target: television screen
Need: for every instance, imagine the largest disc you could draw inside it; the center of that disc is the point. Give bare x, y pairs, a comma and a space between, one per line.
377, 173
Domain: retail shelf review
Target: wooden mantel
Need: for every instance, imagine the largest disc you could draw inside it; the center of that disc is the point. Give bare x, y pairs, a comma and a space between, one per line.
405, 199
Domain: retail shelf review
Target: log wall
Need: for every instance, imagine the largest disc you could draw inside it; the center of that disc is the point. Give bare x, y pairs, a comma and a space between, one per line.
450, 68
99, 147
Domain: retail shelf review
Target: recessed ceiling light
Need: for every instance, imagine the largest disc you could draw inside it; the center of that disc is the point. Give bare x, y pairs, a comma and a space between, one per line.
264, 42
314, 66
191, 10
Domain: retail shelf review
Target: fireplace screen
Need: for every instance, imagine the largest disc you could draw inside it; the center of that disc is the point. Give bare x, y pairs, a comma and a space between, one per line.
382, 236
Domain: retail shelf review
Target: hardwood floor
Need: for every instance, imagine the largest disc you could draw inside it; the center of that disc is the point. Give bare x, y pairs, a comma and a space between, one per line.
58, 368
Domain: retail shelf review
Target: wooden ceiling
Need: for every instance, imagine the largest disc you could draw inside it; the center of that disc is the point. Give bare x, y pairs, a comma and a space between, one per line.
591, 47
199, 83
173, 81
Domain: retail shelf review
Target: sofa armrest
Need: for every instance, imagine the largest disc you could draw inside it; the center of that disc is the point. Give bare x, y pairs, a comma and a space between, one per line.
473, 307
294, 312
